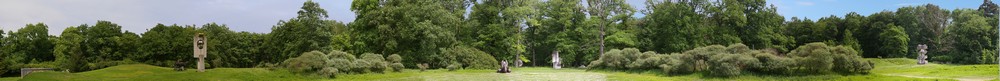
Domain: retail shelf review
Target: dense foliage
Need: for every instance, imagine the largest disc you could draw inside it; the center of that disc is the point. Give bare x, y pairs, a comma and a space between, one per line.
465, 57
717, 60
338, 62
443, 33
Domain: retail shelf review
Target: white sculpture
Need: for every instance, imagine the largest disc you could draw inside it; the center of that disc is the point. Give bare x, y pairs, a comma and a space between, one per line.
922, 58
556, 63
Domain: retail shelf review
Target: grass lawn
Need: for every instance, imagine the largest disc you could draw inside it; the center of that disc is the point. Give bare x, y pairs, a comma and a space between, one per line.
142, 72
893, 69
909, 68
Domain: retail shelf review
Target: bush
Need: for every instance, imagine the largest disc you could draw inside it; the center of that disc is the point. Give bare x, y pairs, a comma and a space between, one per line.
669, 63
730, 64
454, 66
848, 61
335, 54
472, 58
336, 62
423, 67
361, 66
813, 57
771, 63
394, 58
307, 62
376, 64
735, 59
689, 63
818, 57
611, 59
397, 67
329, 72
342, 65
372, 57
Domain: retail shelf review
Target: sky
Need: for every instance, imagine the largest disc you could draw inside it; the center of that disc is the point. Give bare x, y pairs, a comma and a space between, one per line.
260, 15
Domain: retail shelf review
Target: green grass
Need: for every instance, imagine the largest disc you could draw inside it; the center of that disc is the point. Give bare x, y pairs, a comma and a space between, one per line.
142, 72
9, 78
909, 68
519, 74
892, 69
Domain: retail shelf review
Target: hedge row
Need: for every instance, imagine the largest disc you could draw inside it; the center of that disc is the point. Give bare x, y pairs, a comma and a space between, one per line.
732, 60
337, 62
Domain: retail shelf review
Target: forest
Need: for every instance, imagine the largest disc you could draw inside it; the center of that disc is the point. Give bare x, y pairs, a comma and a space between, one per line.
441, 33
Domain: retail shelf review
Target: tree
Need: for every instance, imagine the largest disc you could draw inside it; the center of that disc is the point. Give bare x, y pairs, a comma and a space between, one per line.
605, 12
31, 43
415, 29
967, 36
497, 26
893, 41
232, 49
881, 37
68, 51
306, 32
562, 28
167, 44
28, 44
677, 26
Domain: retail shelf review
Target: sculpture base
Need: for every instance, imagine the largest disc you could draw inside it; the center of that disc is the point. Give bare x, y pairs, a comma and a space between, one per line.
201, 64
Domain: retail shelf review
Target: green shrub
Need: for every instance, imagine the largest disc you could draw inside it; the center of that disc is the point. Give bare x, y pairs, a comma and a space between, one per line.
612, 59
422, 66
669, 63
730, 64
343, 65
378, 66
818, 57
689, 63
397, 67
394, 58
336, 54
361, 66
454, 66
735, 59
771, 63
328, 72
316, 62
472, 58
848, 61
813, 57
645, 60
376, 63
307, 62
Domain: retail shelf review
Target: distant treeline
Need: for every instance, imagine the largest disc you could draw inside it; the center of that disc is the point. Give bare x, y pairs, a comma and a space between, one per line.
420, 31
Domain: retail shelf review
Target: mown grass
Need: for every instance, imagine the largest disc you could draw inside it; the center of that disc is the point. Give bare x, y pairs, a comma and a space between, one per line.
908, 67
9, 78
519, 74
621, 76
142, 72
891, 69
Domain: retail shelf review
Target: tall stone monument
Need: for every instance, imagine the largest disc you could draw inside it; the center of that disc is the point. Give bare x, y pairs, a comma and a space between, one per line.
200, 48
556, 61
922, 51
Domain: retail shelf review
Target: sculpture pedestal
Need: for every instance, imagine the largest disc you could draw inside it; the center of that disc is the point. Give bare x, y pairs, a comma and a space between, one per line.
201, 64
